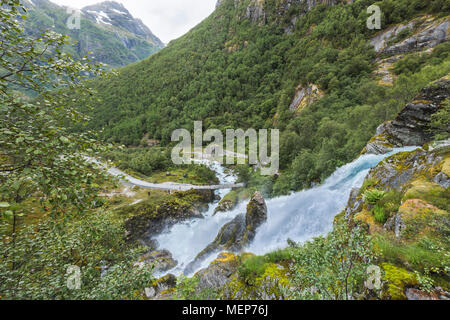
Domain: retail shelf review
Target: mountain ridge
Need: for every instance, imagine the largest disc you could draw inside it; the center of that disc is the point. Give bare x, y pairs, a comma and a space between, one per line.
107, 29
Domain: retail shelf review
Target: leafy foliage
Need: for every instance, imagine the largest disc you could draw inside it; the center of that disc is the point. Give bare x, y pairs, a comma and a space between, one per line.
44, 162
333, 267
38, 154
36, 266
440, 122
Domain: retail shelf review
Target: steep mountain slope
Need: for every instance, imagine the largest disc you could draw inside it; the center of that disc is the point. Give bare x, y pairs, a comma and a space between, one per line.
305, 67
107, 30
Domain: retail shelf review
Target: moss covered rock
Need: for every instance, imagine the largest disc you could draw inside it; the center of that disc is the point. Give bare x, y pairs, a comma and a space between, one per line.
162, 289
397, 280
229, 202
219, 272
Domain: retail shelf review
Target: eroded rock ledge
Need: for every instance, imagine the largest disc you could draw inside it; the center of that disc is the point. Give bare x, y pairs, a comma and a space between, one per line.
412, 126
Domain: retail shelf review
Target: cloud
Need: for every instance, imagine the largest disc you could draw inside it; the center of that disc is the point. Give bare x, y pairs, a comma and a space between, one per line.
168, 19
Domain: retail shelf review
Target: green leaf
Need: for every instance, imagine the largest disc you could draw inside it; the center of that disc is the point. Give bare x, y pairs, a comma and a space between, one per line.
4, 205
64, 140
8, 214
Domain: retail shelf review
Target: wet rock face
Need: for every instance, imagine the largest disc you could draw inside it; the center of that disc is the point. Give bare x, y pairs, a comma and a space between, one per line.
257, 13
437, 294
412, 125
238, 233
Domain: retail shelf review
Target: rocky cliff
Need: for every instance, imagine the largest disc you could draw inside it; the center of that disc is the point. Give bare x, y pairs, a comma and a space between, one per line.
412, 125
258, 12
405, 202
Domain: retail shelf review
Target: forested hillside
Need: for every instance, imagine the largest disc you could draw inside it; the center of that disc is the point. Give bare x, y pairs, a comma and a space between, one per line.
247, 64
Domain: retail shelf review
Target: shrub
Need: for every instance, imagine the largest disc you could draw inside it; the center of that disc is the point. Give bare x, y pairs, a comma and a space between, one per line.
333, 267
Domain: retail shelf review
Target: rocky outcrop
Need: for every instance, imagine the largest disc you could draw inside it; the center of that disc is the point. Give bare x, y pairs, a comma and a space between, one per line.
355, 203
412, 126
409, 210
305, 97
398, 171
237, 234
421, 34
385, 70
419, 174
219, 272
162, 289
257, 12
256, 216
416, 294
228, 203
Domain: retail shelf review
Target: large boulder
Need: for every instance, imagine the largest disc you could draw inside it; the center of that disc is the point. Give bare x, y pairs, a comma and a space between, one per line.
237, 234
256, 216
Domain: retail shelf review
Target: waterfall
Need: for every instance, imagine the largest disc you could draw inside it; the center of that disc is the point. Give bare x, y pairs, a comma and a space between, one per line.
300, 216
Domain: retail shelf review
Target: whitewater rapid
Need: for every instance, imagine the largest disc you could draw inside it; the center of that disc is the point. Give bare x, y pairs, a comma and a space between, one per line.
300, 216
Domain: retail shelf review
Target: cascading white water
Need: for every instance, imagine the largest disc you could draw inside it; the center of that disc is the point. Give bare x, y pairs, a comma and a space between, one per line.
299, 216
185, 240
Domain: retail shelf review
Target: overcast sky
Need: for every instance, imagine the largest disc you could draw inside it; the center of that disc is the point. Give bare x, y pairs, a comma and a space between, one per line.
168, 19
